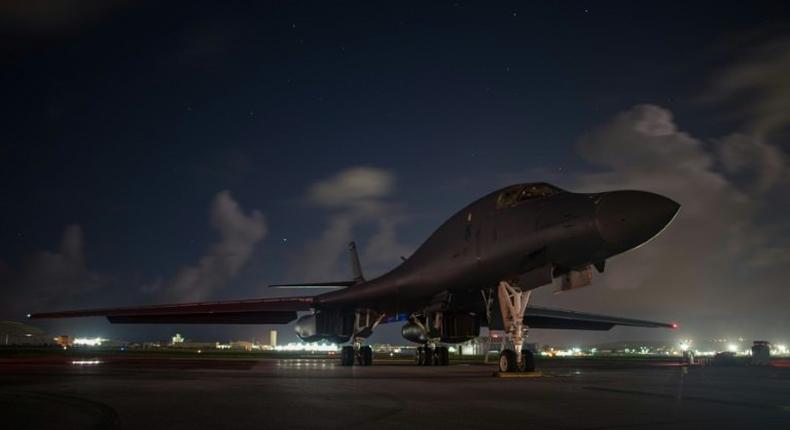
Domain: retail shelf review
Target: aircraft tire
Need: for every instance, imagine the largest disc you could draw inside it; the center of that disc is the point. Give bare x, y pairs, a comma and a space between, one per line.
507, 361
527, 361
444, 355
347, 356
367, 355
429, 356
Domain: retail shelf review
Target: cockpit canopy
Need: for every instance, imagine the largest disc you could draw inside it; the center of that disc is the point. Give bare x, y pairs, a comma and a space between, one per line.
515, 195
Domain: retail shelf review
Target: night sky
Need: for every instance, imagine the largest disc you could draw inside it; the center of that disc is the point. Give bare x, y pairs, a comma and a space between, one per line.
156, 152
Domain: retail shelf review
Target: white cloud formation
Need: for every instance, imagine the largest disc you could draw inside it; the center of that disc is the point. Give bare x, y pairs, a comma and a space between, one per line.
758, 87
707, 259
357, 186
51, 279
751, 158
239, 233
356, 197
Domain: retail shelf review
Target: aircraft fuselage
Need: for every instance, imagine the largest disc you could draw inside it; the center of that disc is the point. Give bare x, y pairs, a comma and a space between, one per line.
534, 239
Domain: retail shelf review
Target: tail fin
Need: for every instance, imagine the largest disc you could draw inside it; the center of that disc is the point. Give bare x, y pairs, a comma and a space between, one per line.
355, 266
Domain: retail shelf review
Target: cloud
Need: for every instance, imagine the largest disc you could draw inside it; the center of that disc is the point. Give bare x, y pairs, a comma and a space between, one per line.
354, 197
239, 233
707, 259
754, 160
52, 279
61, 280
352, 187
757, 87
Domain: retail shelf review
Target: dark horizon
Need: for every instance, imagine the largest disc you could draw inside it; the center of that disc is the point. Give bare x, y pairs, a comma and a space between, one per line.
185, 153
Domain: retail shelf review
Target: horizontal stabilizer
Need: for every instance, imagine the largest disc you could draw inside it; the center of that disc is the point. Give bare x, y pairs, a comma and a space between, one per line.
315, 285
538, 317
255, 311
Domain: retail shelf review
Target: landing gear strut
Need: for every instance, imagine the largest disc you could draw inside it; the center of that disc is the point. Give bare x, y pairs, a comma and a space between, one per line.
430, 354
357, 353
512, 304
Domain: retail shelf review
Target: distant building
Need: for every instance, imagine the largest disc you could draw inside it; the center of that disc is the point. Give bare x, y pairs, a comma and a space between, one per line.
273, 338
241, 344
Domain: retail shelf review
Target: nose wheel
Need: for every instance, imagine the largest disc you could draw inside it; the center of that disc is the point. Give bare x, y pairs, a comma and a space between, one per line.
512, 304
508, 361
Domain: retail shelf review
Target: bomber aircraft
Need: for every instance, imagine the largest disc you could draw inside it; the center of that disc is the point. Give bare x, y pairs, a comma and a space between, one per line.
477, 269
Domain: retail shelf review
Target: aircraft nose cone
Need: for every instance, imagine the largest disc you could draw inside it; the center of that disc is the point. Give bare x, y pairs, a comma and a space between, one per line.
627, 219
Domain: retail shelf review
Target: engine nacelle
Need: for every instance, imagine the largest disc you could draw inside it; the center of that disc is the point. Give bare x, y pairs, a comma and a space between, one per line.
329, 326
413, 333
456, 328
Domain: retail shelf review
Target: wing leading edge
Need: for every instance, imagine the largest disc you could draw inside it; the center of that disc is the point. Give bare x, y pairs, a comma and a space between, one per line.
255, 311
539, 317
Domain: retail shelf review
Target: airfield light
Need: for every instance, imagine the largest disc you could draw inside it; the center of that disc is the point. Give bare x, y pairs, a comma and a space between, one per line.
732, 347
310, 347
685, 345
96, 341
781, 349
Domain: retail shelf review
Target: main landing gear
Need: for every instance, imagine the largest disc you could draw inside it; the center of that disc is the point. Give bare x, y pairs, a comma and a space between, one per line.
356, 353
362, 356
436, 356
430, 354
512, 304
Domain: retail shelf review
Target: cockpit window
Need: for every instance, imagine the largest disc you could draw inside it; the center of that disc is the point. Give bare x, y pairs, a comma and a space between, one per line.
517, 194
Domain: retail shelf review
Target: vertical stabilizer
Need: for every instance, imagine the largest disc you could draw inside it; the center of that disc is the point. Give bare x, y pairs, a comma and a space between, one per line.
355, 267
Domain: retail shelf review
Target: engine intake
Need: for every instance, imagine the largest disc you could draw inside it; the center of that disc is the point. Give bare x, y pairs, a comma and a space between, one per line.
330, 326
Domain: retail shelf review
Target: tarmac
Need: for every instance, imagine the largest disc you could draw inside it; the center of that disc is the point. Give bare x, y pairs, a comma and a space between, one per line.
112, 392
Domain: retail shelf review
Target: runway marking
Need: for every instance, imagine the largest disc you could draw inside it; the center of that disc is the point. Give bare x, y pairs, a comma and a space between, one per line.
686, 397
518, 374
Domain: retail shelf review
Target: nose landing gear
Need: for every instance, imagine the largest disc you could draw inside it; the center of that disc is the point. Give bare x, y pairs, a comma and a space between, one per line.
512, 304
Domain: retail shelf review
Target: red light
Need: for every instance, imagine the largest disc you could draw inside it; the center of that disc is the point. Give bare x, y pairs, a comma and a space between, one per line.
675, 325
